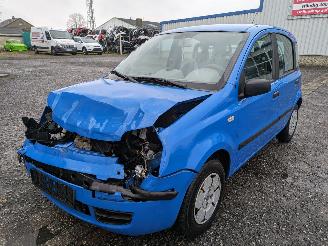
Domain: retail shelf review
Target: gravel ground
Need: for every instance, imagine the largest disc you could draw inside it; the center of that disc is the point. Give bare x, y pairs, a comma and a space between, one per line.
279, 198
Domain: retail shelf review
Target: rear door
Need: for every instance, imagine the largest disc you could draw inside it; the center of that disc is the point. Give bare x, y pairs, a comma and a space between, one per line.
289, 78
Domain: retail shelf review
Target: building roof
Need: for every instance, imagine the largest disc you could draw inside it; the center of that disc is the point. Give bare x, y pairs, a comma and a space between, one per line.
5, 29
242, 12
144, 23
10, 31
6, 22
11, 20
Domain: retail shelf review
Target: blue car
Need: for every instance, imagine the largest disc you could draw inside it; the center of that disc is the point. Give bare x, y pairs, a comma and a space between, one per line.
152, 144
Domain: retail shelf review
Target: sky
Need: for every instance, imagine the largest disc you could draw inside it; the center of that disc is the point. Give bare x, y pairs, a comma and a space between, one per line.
55, 13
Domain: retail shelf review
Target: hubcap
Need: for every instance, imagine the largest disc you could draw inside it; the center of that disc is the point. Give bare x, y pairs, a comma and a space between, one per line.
293, 122
207, 198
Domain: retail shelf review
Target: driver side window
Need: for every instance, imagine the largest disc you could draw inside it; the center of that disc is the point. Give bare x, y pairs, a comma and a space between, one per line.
48, 37
259, 63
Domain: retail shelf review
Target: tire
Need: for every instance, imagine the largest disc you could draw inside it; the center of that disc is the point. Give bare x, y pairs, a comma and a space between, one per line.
286, 135
35, 50
191, 220
53, 52
84, 51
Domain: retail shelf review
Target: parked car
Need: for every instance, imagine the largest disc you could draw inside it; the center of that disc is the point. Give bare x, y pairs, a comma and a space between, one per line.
15, 45
88, 45
152, 144
52, 41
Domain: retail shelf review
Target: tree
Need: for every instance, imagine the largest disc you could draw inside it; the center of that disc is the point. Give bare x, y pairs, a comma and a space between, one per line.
76, 20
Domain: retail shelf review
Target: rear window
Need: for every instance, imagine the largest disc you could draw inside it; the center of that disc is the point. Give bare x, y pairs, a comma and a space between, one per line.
286, 54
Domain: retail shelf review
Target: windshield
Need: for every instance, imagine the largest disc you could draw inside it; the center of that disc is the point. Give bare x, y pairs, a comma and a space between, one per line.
89, 40
188, 58
60, 34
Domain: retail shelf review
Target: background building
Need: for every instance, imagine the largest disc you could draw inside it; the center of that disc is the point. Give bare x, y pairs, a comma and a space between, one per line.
306, 19
14, 28
128, 23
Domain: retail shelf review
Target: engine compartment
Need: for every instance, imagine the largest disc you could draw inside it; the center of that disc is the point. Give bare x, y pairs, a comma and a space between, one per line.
139, 150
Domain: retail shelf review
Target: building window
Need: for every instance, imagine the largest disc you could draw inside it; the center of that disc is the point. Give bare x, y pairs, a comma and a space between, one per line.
286, 54
259, 62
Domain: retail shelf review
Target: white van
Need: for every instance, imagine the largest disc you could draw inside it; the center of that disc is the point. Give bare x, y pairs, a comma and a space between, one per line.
52, 41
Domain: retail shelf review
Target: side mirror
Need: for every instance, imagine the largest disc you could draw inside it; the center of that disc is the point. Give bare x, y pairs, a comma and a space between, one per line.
255, 87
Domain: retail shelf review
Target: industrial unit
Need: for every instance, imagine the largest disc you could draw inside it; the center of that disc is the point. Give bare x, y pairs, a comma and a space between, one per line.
306, 19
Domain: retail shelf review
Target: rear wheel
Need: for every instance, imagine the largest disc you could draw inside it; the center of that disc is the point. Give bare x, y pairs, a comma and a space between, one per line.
202, 200
286, 135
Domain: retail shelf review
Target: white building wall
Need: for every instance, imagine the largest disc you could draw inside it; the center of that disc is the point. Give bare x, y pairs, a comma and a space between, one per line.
310, 31
113, 23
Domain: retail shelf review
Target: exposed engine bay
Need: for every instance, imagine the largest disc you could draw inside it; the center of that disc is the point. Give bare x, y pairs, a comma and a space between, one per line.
139, 151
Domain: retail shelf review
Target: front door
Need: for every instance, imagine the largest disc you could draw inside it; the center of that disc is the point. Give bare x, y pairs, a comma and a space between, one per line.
255, 114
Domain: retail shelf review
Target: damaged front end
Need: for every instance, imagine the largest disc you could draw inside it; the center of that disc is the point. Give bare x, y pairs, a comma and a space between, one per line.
115, 167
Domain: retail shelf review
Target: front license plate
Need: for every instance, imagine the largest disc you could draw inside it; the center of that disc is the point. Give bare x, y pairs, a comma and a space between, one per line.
57, 190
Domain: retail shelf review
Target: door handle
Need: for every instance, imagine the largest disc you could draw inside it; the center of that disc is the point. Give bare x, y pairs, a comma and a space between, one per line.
276, 94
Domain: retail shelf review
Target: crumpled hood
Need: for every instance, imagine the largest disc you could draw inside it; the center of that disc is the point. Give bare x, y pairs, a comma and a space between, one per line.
105, 109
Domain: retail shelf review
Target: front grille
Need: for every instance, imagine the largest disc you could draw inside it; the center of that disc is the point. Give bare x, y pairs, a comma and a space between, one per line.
112, 217
67, 46
81, 207
96, 49
79, 179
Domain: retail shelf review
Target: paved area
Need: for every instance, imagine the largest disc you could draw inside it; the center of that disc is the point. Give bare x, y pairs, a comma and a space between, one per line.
279, 198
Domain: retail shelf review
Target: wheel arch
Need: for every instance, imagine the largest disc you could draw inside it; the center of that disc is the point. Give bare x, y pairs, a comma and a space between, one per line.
299, 102
224, 157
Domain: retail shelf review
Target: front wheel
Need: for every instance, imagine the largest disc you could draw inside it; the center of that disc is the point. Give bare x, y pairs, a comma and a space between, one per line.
84, 51
202, 200
53, 52
286, 135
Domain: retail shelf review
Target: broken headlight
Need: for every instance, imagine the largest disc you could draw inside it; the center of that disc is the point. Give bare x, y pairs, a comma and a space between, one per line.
47, 131
139, 151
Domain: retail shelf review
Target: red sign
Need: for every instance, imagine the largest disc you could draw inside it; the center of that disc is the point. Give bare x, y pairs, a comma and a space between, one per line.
310, 7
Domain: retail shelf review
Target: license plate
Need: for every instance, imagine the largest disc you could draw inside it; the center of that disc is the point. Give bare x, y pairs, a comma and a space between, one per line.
57, 190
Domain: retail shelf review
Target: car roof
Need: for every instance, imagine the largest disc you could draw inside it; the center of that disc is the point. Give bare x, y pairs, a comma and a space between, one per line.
253, 29
222, 28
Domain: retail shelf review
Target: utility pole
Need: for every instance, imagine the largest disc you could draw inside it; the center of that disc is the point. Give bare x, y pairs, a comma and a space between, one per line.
91, 22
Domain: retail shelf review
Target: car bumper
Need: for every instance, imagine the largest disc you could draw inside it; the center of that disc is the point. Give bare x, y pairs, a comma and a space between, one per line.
18, 49
59, 49
132, 217
95, 50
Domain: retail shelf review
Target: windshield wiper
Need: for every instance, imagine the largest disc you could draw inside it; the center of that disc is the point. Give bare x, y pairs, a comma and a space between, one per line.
125, 77
161, 81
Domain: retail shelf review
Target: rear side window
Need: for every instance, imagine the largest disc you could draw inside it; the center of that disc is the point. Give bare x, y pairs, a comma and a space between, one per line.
259, 63
286, 55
